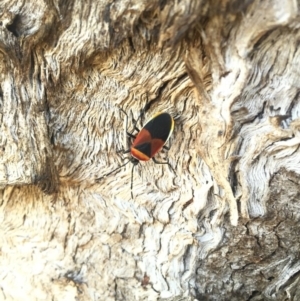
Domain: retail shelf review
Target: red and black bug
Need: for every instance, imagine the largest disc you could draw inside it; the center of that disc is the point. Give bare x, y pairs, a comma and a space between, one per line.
149, 141
152, 137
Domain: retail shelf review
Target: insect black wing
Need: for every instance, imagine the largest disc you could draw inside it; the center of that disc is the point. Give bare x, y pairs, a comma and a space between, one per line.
160, 126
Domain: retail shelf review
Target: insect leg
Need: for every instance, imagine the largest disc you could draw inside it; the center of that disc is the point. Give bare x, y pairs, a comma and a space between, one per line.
99, 179
134, 126
131, 135
123, 151
166, 162
126, 151
167, 147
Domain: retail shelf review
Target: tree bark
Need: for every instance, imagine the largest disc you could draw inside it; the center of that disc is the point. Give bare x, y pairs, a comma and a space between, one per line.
225, 225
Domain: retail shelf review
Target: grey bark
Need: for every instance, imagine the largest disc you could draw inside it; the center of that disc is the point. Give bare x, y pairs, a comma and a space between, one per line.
225, 226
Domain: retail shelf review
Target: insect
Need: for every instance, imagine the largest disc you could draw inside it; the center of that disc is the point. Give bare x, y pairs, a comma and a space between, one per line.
148, 141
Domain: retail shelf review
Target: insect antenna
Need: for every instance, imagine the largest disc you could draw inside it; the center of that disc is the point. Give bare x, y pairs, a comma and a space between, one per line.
131, 185
134, 162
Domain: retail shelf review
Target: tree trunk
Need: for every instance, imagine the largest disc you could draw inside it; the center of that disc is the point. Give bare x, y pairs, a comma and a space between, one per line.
224, 225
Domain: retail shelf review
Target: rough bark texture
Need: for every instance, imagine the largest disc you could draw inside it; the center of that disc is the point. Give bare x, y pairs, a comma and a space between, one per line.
225, 226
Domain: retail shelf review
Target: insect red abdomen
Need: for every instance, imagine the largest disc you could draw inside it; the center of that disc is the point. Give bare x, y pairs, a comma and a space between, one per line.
152, 137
